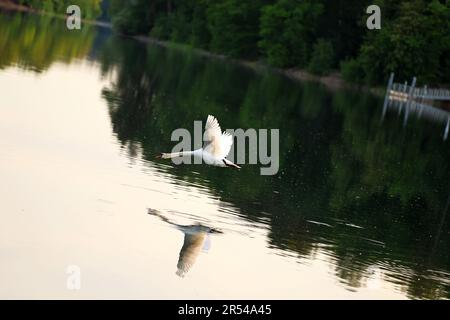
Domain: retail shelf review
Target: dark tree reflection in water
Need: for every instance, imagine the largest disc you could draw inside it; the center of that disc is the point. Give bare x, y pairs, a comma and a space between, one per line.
379, 188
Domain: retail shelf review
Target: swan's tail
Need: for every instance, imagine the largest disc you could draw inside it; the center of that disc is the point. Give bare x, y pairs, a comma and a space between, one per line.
228, 163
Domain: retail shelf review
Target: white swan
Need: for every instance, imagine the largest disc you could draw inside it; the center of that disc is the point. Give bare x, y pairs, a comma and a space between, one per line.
216, 147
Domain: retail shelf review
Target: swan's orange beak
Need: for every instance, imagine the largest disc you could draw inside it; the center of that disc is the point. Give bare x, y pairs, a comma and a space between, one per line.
158, 156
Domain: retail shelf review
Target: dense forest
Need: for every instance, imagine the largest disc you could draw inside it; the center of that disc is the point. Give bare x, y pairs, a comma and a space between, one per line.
320, 36
316, 35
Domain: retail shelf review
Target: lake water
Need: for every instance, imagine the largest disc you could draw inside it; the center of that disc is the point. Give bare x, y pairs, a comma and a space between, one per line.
358, 209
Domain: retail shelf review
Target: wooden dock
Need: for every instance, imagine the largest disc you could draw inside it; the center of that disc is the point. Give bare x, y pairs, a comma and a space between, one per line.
411, 100
403, 91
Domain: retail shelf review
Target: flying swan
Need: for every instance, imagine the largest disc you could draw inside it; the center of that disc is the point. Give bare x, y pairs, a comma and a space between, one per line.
216, 147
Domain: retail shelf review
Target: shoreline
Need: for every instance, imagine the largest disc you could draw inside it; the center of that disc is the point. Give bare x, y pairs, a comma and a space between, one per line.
333, 81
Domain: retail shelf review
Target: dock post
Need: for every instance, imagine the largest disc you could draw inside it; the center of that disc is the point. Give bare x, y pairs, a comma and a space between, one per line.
387, 95
408, 101
400, 101
446, 129
422, 100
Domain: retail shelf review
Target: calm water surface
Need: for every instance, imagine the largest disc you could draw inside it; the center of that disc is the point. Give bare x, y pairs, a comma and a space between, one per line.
359, 208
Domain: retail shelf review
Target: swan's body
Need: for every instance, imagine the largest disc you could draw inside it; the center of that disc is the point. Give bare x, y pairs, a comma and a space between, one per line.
216, 148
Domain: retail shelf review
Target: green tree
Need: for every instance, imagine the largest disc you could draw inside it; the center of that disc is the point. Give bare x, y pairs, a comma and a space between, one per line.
287, 31
322, 58
234, 27
352, 71
343, 22
200, 37
414, 44
135, 16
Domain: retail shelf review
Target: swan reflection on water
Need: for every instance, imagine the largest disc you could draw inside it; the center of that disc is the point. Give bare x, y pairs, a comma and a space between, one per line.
196, 239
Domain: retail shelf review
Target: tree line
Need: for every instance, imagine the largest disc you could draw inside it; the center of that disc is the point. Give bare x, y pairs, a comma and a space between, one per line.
317, 35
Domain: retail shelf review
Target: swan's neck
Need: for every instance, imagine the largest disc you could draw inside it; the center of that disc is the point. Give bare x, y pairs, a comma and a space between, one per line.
180, 154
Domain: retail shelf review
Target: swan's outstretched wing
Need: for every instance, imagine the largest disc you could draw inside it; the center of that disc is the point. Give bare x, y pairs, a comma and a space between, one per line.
217, 143
212, 130
226, 143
